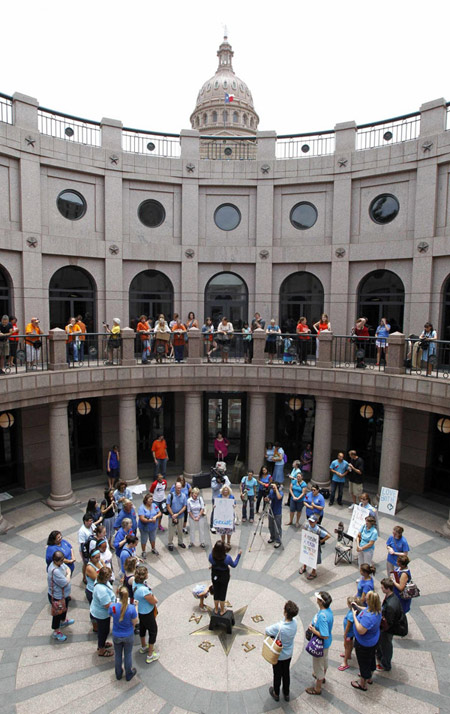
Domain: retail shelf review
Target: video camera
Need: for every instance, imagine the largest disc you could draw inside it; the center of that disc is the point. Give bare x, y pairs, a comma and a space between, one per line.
219, 471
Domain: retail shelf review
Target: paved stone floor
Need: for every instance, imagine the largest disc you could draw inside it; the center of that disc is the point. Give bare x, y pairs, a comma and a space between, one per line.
39, 675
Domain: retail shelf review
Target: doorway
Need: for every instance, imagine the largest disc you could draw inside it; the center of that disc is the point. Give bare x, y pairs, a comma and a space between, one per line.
155, 415
366, 434
72, 293
84, 441
225, 412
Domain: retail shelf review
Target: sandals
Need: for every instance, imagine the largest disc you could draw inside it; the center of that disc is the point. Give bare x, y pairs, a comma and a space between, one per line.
343, 667
106, 653
302, 570
311, 576
312, 690
356, 685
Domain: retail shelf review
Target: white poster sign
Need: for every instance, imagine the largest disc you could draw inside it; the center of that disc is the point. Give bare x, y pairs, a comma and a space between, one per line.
358, 520
309, 549
223, 513
388, 500
139, 488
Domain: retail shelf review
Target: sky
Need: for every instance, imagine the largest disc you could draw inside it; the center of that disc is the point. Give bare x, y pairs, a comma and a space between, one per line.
309, 65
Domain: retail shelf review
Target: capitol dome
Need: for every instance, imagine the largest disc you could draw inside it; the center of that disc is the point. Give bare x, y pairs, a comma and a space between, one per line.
212, 114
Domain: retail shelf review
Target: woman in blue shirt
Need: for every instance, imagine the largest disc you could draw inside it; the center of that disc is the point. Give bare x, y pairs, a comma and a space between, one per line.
263, 480
220, 574
381, 333
278, 460
315, 504
248, 486
366, 540
59, 587
102, 597
400, 577
297, 492
124, 618
149, 516
146, 609
365, 583
285, 631
56, 542
321, 626
396, 545
367, 633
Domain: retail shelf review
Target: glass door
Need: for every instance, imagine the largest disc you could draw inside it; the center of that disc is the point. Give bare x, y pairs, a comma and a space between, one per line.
226, 413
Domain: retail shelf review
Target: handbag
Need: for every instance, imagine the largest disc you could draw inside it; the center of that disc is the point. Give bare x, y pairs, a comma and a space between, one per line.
58, 606
271, 650
315, 646
308, 634
410, 590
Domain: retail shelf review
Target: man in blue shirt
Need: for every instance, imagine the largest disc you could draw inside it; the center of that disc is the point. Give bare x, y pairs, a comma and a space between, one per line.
127, 511
275, 498
176, 505
339, 469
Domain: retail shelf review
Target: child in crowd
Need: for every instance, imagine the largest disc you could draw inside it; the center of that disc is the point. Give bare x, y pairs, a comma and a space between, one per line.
349, 634
365, 583
200, 592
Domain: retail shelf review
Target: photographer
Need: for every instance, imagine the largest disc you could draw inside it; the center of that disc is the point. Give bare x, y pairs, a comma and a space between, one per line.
114, 340
275, 498
219, 479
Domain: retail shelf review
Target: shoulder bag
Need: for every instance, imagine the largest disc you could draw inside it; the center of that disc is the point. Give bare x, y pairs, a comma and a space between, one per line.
272, 647
315, 646
58, 606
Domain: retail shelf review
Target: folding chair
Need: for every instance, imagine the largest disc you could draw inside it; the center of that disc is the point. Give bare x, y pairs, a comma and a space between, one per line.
343, 551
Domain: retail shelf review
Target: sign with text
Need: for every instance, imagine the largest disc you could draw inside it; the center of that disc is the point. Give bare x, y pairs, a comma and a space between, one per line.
223, 513
139, 488
309, 549
388, 500
358, 520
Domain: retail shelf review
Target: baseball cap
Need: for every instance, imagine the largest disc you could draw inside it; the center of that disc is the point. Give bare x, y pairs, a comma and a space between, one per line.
313, 519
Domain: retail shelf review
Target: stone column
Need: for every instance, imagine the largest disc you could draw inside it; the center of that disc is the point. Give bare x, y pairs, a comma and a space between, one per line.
396, 356
57, 357
322, 441
127, 358
391, 448
257, 431
61, 494
192, 434
325, 359
127, 434
259, 342
4, 524
195, 346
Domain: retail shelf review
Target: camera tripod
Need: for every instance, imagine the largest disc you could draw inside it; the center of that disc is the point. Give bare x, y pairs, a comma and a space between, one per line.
266, 511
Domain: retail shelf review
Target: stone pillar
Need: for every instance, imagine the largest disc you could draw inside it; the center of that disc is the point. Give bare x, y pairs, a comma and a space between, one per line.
195, 346
25, 111
127, 358
266, 145
127, 433
192, 434
4, 524
325, 350
61, 494
57, 357
433, 117
396, 354
391, 447
322, 441
259, 341
111, 134
257, 431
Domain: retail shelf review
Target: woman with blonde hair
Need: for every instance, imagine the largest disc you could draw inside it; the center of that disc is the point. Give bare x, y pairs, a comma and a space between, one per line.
367, 633
125, 619
225, 492
196, 511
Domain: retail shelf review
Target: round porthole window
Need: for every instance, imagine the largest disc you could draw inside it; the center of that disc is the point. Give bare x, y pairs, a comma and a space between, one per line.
384, 208
227, 217
303, 215
151, 213
71, 204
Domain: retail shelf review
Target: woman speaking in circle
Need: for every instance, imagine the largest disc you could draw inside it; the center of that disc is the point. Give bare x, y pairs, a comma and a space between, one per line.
220, 574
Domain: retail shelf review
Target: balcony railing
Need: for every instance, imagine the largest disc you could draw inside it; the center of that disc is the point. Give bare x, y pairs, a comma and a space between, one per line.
27, 353
297, 146
359, 352
69, 128
427, 359
92, 349
151, 143
389, 131
6, 109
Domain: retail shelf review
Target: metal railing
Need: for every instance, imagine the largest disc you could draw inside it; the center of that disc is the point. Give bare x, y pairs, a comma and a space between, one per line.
93, 349
6, 113
219, 148
297, 146
350, 351
26, 353
69, 128
427, 358
151, 143
388, 131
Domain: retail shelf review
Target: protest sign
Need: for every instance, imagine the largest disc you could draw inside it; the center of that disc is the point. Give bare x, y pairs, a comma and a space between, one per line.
388, 500
223, 513
309, 549
358, 520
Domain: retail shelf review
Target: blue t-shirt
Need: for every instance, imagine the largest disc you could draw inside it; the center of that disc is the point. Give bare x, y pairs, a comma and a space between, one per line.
276, 502
103, 594
287, 631
65, 548
177, 502
371, 621
399, 545
120, 535
148, 513
272, 330
311, 501
123, 514
126, 493
341, 467
124, 628
368, 534
140, 591
297, 489
323, 621
126, 552
265, 479
364, 586
349, 618
250, 485
184, 489
382, 331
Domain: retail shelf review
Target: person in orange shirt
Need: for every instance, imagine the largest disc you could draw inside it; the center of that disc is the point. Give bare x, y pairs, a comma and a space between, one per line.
160, 456
144, 329
82, 338
179, 339
72, 342
33, 342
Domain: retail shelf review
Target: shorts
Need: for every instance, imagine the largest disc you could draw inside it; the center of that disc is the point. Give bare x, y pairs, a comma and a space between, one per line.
4, 348
355, 489
382, 343
320, 665
296, 506
147, 536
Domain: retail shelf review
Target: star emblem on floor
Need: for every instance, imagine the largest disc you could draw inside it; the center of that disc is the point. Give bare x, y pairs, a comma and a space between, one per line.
227, 641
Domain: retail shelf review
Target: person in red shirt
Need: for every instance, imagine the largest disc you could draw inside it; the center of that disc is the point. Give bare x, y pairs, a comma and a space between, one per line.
160, 456
13, 340
179, 339
360, 336
304, 339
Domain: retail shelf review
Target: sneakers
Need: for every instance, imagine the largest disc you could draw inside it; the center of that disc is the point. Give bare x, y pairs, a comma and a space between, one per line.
143, 650
350, 508
170, 547
273, 695
277, 545
152, 658
66, 623
57, 635
185, 530
144, 555
160, 528
155, 552
191, 545
213, 530
181, 545
271, 540
202, 545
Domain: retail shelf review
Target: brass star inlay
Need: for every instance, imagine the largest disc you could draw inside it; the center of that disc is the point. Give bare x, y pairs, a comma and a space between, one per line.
227, 641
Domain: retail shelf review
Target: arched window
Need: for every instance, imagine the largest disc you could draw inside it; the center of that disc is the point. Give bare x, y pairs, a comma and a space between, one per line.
205, 118
301, 295
151, 294
245, 119
381, 294
5, 297
197, 121
227, 294
225, 117
72, 292
251, 121
214, 117
445, 326
235, 117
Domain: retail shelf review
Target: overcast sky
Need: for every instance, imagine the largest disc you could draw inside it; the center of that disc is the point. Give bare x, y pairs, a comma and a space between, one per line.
308, 64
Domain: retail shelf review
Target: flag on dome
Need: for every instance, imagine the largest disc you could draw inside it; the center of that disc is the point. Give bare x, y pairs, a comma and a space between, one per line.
228, 98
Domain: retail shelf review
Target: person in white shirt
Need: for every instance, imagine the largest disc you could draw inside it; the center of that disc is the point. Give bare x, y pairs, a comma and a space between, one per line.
224, 336
196, 511
86, 530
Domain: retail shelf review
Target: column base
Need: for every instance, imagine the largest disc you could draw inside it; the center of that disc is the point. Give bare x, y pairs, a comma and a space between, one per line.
320, 484
4, 525
56, 503
444, 532
133, 481
190, 476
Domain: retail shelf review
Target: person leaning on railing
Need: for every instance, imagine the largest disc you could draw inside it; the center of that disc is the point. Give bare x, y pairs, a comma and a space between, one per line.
5, 333
13, 341
33, 343
428, 345
114, 340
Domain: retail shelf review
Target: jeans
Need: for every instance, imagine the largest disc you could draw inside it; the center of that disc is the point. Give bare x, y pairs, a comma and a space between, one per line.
281, 672
160, 467
123, 647
340, 487
251, 503
385, 649
145, 350
275, 527
179, 352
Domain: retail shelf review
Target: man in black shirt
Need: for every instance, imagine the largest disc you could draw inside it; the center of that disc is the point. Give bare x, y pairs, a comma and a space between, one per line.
5, 332
395, 624
355, 476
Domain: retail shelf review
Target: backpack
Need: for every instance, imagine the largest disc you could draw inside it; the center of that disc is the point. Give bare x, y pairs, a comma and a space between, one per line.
400, 628
85, 547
